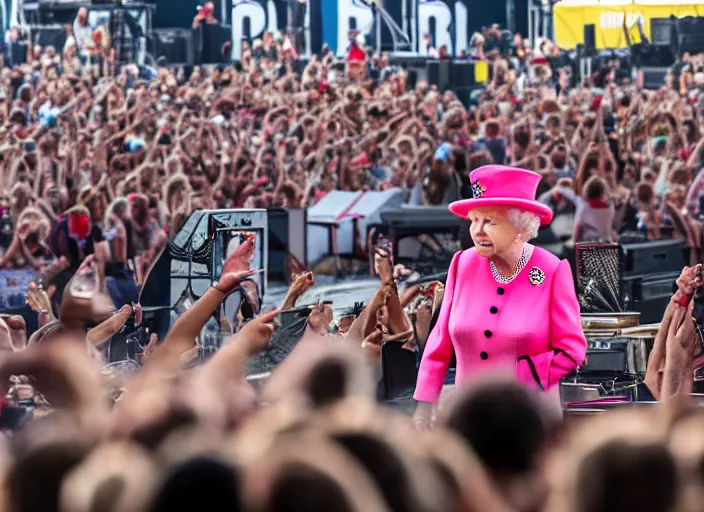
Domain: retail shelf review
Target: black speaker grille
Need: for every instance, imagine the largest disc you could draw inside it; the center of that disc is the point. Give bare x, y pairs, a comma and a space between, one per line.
599, 278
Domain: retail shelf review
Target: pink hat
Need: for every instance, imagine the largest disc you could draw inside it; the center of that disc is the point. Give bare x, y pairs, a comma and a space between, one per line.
497, 185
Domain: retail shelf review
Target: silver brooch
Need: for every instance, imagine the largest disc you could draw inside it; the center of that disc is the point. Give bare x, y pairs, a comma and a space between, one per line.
536, 276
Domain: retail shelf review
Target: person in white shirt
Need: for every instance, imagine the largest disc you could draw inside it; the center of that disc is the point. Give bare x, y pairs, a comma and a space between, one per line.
82, 31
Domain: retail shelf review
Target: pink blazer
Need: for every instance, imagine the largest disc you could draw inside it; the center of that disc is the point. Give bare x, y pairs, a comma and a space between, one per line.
532, 328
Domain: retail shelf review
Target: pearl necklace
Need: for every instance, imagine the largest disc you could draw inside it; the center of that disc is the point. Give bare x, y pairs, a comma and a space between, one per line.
522, 262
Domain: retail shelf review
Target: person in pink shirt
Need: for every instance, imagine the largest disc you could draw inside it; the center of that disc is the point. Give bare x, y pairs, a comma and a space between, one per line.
508, 304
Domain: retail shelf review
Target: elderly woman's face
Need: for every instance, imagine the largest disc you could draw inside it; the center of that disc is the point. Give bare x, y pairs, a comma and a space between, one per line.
493, 234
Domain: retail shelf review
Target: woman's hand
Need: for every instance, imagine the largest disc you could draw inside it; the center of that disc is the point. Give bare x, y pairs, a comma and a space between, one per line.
689, 281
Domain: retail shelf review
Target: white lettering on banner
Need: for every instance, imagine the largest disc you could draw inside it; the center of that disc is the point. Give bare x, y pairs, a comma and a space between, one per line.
427, 10
461, 31
442, 14
611, 19
258, 21
346, 11
273, 25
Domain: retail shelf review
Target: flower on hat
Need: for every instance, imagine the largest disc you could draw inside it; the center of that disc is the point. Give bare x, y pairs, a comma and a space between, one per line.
477, 189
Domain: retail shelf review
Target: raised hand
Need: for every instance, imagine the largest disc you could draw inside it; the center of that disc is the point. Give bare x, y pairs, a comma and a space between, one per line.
320, 318
302, 283
242, 257
383, 260
371, 346
153, 342
37, 299
689, 280
229, 282
257, 332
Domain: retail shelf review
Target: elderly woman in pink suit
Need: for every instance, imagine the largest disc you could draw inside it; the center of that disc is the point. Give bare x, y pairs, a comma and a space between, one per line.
507, 303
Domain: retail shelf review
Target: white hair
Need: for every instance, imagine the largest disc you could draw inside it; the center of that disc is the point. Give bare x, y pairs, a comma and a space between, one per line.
476, 40
527, 223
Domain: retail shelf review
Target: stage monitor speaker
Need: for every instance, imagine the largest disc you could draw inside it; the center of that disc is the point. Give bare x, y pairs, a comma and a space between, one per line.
18, 52
590, 39
50, 36
287, 242
462, 74
175, 45
653, 257
690, 34
412, 79
432, 69
693, 43
649, 294
598, 272
653, 78
209, 40
439, 72
661, 31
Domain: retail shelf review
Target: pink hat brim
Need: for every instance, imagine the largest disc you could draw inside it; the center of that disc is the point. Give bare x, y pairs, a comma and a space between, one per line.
462, 208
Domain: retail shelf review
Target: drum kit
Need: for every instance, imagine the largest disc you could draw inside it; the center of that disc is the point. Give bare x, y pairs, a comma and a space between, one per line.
618, 349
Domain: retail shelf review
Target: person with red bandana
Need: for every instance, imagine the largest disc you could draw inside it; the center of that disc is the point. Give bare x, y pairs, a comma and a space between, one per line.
356, 58
74, 237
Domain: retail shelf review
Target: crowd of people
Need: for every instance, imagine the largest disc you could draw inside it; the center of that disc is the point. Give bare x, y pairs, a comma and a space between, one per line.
176, 436
98, 171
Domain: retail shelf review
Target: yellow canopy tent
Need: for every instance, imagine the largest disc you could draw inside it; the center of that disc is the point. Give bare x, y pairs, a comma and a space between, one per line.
609, 17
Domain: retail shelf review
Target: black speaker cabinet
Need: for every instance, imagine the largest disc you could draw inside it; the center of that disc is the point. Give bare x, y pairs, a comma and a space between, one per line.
50, 36
287, 239
17, 52
649, 294
653, 78
209, 41
432, 69
653, 257
462, 74
175, 45
661, 31
690, 32
590, 39
439, 72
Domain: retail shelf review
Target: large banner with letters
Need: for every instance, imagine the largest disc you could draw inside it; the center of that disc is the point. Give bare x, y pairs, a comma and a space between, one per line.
447, 22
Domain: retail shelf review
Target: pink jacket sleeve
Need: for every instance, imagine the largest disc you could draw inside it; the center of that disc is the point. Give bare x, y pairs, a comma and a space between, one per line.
569, 347
438, 349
